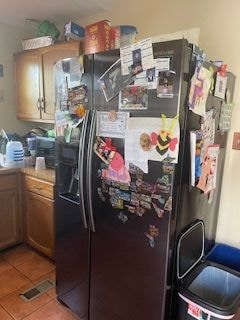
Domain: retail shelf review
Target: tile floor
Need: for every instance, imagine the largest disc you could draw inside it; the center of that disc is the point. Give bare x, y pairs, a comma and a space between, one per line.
20, 269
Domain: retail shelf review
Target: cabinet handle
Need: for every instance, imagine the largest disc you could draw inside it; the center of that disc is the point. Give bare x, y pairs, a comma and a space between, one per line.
38, 104
43, 105
37, 188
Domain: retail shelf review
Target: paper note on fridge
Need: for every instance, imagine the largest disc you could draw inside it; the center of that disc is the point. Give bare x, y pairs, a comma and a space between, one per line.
200, 85
137, 57
157, 137
109, 127
132, 151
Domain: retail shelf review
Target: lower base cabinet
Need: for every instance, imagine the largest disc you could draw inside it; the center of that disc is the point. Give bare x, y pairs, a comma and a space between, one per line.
10, 213
39, 215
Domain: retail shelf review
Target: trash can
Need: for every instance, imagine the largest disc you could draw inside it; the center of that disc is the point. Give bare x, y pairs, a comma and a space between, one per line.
226, 255
207, 290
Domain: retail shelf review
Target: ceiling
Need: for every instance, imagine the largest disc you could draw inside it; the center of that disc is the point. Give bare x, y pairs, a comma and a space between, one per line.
15, 12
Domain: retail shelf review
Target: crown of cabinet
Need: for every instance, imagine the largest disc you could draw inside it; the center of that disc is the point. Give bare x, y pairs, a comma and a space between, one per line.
34, 79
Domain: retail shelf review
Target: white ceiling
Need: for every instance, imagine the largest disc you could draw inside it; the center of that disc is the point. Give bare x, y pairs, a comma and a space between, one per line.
15, 12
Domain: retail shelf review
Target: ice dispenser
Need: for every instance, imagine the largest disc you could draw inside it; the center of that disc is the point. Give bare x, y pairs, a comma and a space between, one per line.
68, 170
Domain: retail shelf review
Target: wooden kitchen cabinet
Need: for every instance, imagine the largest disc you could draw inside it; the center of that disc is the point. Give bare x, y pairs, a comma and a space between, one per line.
10, 213
39, 214
34, 74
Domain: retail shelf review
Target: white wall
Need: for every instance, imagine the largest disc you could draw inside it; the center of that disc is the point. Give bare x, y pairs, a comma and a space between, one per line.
219, 24
10, 39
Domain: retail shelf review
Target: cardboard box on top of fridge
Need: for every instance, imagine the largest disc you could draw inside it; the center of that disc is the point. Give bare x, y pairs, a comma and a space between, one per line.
73, 31
97, 37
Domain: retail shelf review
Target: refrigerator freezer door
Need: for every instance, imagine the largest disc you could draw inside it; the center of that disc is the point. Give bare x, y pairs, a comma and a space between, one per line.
72, 233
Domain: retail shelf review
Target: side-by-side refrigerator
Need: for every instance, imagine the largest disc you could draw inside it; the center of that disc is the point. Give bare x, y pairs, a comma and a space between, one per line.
116, 236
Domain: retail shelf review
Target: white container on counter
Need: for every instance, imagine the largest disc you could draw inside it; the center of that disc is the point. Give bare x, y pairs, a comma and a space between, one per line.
14, 155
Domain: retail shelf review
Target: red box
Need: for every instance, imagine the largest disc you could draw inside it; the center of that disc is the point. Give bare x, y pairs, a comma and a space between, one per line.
115, 35
97, 37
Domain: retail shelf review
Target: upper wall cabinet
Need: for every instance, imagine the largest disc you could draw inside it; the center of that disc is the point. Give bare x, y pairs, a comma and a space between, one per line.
34, 76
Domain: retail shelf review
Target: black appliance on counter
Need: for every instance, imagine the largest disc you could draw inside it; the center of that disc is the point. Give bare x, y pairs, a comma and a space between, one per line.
45, 147
105, 267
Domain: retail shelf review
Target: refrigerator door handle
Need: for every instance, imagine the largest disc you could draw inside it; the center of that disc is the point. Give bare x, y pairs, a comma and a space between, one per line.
80, 168
89, 168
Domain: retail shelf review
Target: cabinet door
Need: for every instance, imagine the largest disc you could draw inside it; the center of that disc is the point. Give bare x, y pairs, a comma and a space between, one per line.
40, 223
9, 218
27, 75
50, 55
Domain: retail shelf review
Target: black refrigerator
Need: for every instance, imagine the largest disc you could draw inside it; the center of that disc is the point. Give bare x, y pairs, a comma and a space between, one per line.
114, 262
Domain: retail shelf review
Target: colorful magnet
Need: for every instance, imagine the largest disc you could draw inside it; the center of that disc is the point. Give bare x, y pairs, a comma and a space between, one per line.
145, 205
164, 180
146, 198
116, 170
124, 186
104, 149
140, 211
152, 234
168, 204
123, 217
135, 170
158, 210
131, 209
124, 196
168, 169
100, 194
116, 202
104, 187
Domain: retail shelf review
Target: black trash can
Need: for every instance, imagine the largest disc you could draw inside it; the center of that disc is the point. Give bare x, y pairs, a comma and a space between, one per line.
207, 290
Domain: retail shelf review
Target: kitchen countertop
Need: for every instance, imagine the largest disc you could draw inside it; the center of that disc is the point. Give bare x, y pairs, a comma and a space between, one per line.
47, 174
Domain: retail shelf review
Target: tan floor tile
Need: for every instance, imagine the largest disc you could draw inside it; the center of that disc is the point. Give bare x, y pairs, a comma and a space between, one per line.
36, 267
11, 280
18, 308
51, 275
18, 255
52, 311
4, 315
4, 265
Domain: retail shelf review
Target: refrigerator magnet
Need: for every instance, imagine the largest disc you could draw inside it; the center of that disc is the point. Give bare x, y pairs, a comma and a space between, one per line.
100, 194
168, 205
152, 234
168, 169
133, 98
165, 84
104, 149
122, 217
140, 211
116, 202
145, 205
124, 186
130, 209
220, 86
158, 210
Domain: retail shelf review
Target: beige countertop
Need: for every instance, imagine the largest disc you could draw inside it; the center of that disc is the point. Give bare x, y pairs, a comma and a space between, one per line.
47, 174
